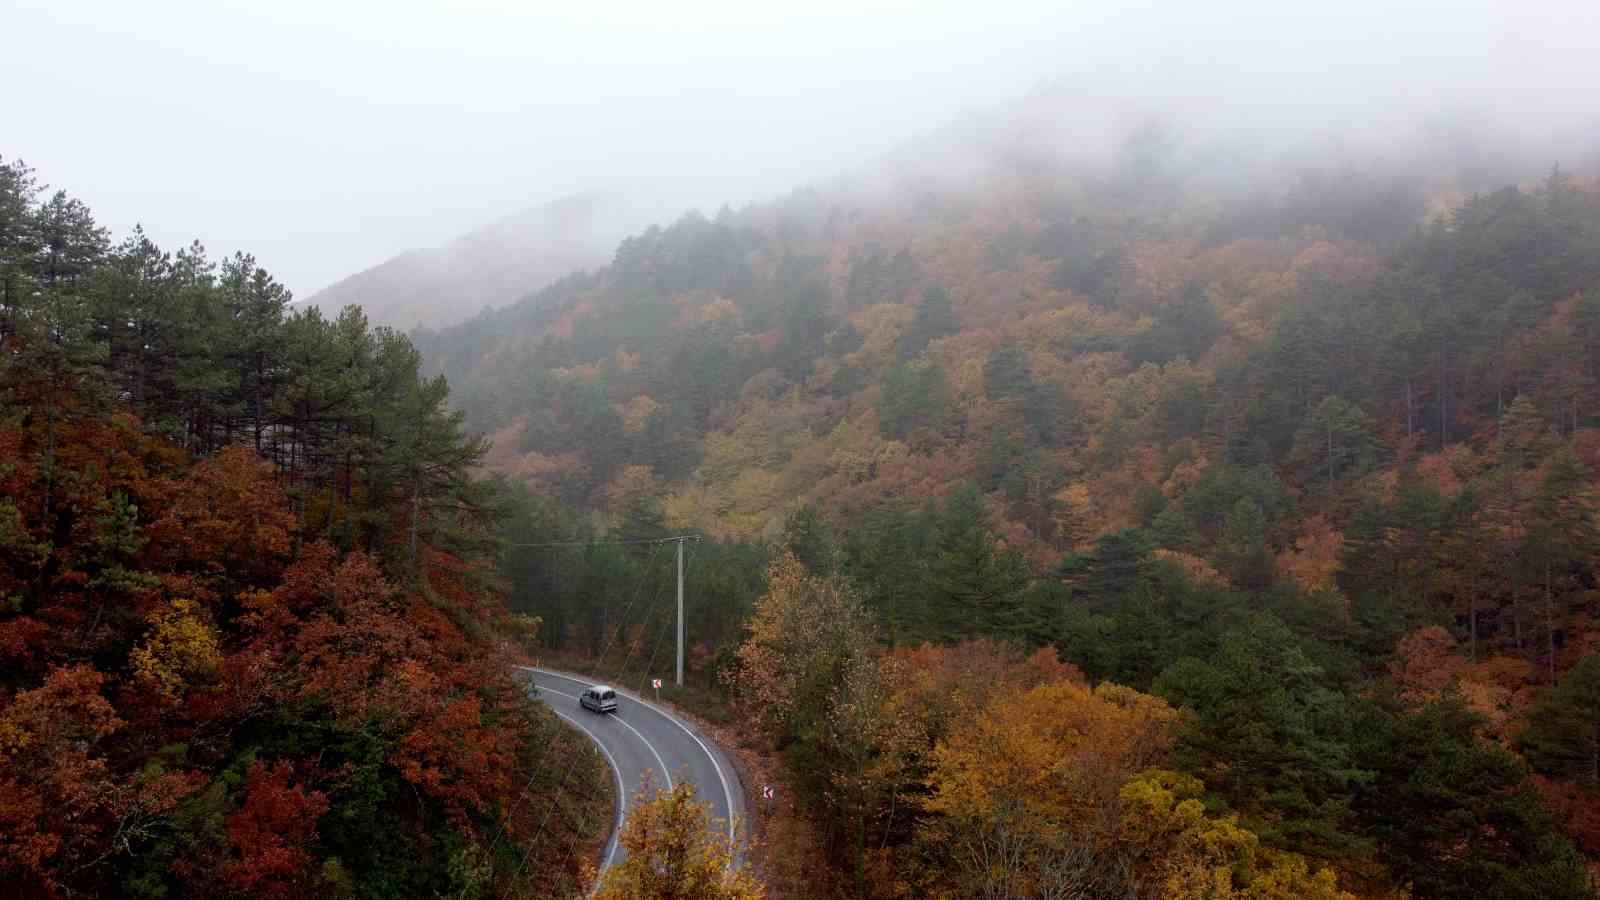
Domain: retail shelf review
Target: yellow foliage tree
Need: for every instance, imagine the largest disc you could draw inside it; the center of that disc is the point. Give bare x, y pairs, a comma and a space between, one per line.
181, 649
1315, 557
1076, 515
1025, 794
637, 413
1178, 852
674, 853
806, 630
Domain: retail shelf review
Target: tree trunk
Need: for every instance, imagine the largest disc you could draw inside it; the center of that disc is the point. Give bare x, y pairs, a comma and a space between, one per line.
1410, 409
49, 460
861, 852
1443, 427
1330, 453
256, 399
1472, 607
416, 506
1594, 753
1550, 623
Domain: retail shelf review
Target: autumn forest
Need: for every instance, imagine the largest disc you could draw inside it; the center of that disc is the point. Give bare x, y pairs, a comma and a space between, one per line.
250, 637
1175, 523
1178, 524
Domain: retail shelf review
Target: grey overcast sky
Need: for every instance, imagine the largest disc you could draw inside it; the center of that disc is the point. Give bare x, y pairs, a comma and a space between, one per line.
326, 136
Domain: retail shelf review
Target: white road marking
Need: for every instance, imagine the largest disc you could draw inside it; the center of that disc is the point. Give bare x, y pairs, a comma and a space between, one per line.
727, 793
616, 773
618, 719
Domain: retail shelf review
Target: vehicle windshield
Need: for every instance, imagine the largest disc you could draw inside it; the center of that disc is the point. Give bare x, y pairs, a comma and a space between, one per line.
608, 695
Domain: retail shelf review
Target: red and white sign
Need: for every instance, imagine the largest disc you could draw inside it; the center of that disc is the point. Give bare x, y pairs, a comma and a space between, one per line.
655, 683
766, 792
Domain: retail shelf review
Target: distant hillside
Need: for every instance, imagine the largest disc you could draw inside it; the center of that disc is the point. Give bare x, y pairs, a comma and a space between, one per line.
492, 266
1026, 304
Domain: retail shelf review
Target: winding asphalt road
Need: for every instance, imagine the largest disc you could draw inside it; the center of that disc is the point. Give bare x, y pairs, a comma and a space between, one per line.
642, 737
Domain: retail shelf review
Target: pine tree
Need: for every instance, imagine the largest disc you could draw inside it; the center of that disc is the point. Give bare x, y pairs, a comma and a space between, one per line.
934, 320
1447, 812
1278, 736
1561, 542
1563, 734
1242, 547
19, 240
253, 305
975, 583
1334, 439
1523, 435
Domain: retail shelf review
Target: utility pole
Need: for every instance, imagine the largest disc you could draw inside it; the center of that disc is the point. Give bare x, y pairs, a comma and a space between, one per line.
680, 612
654, 542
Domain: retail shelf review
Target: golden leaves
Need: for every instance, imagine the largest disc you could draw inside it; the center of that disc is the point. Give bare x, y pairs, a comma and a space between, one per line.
1059, 750
637, 413
1315, 556
181, 650
675, 853
1193, 856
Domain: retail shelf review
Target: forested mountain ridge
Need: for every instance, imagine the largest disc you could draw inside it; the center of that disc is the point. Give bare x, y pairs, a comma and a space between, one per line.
1038, 332
249, 641
1306, 451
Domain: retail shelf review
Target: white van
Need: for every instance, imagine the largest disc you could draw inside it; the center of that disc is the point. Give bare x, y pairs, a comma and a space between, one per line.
600, 698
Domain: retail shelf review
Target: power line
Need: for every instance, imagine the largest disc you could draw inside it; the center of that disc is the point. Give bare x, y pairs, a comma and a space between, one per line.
639, 592
660, 635
572, 765
556, 798
665, 540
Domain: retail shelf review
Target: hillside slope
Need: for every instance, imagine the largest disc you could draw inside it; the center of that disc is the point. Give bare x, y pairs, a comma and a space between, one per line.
1303, 446
250, 644
491, 266
988, 308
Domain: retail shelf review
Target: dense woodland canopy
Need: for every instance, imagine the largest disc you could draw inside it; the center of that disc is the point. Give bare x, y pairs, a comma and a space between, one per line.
1175, 525
249, 644
1298, 479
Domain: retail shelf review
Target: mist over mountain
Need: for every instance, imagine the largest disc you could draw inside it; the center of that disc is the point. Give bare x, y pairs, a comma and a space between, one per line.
497, 264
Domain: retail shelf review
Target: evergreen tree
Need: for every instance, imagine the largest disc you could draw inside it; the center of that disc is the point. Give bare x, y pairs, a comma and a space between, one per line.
1006, 374
1561, 542
253, 307
1563, 734
1334, 439
808, 535
1448, 811
1523, 434
975, 583
917, 405
1242, 546
19, 241
934, 319
1270, 737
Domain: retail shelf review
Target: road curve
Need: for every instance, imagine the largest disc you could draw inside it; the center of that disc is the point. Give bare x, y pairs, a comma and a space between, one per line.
642, 737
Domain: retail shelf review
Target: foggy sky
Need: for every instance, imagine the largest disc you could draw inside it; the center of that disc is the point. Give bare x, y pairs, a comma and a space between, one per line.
326, 137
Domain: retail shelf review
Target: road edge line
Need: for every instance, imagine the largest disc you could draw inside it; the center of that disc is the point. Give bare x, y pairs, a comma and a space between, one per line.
622, 798
665, 772
726, 792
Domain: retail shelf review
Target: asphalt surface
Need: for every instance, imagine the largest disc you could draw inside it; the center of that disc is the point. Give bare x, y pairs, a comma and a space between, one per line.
642, 737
